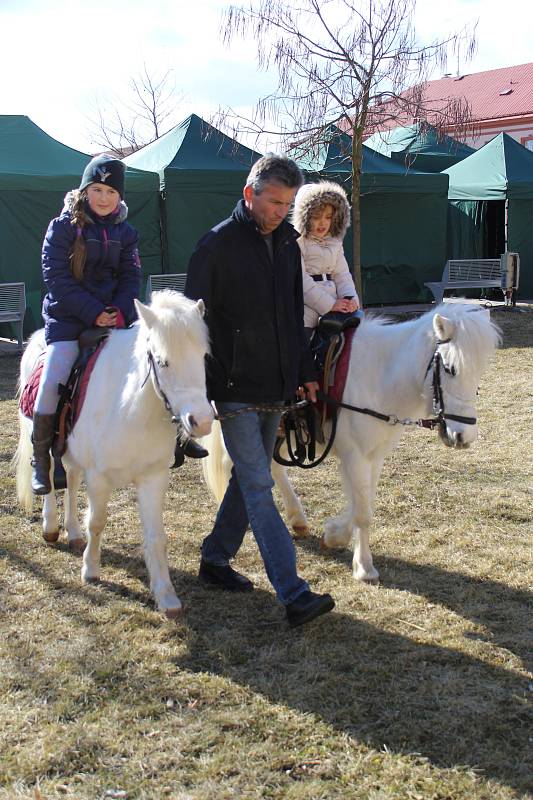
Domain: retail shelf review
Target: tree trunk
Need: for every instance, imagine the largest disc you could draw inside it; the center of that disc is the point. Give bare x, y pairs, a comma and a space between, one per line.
357, 151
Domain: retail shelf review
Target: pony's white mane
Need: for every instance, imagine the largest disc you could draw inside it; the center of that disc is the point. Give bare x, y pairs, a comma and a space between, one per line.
475, 334
177, 316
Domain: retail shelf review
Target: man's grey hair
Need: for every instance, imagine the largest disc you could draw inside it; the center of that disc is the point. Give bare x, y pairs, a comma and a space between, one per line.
273, 168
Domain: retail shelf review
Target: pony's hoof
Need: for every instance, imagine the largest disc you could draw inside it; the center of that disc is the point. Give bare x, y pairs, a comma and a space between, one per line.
50, 536
323, 545
89, 579
370, 580
301, 531
77, 546
174, 613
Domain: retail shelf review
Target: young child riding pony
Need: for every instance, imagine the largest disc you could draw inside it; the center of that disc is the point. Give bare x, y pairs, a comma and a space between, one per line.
321, 215
91, 269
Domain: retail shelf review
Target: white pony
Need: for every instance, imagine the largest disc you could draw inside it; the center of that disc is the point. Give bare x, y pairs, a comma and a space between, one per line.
145, 377
404, 371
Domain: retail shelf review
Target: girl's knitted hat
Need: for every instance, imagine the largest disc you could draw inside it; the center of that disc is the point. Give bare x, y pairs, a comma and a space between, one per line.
107, 170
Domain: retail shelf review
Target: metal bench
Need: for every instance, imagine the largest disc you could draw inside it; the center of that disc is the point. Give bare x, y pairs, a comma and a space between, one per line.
13, 306
481, 273
169, 280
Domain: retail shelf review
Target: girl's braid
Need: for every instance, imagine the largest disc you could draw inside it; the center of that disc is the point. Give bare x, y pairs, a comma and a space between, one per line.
78, 252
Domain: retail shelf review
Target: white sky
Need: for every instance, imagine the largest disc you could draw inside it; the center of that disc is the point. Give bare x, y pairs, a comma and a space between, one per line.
59, 59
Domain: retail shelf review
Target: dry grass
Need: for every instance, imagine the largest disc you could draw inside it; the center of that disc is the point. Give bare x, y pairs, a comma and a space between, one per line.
416, 689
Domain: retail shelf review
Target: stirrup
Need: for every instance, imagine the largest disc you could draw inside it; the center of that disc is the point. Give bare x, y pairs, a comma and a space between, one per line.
60, 476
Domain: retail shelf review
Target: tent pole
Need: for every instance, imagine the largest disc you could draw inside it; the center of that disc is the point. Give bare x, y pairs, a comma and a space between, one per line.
506, 222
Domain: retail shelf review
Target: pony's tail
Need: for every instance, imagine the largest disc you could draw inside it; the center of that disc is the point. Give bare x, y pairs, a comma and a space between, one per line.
22, 465
21, 462
217, 465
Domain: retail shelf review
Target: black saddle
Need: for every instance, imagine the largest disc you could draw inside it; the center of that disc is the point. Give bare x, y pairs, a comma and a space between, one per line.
338, 321
89, 341
330, 325
301, 429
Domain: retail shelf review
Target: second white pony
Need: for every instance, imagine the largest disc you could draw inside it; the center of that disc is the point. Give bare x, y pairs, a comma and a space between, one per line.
395, 369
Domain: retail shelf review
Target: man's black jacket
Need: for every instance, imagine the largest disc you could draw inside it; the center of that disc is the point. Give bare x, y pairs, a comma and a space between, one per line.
254, 311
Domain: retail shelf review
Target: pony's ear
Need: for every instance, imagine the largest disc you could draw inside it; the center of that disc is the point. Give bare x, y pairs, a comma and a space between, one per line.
444, 328
145, 313
200, 305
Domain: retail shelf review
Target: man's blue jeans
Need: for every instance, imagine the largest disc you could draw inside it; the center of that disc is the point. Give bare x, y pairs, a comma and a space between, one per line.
250, 439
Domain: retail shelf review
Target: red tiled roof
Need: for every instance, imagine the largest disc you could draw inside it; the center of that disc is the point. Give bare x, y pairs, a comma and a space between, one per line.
505, 92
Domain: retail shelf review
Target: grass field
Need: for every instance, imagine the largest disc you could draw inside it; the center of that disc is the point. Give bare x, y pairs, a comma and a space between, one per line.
416, 689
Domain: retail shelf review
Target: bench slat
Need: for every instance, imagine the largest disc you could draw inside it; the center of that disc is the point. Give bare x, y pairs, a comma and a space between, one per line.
13, 306
168, 280
468, 273
474, 270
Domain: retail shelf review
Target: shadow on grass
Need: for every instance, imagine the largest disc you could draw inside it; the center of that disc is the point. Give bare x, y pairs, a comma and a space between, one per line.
381, 688
516, 325
499, 608
9, 372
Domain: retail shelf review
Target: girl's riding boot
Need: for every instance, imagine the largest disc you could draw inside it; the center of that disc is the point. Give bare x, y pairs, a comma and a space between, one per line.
43, 434
189, 448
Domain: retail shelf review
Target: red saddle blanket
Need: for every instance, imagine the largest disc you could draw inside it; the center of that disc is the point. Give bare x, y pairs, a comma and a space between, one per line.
29, 391
336, 390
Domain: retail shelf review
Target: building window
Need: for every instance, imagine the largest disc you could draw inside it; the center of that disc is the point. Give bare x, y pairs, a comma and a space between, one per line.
527, 141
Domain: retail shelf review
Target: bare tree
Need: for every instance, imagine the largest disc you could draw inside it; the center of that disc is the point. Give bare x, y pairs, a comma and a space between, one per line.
346, 63
125, 125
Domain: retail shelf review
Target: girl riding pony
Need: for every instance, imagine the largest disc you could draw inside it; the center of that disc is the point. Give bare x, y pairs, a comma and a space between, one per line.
92, 271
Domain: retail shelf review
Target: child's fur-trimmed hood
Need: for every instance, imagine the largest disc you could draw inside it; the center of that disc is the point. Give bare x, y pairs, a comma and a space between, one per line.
314, 195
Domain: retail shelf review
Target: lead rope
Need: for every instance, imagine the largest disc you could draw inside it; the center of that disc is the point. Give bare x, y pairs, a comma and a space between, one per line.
262, 407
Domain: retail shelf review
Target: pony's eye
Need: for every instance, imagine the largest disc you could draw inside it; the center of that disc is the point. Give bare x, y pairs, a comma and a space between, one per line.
449, 370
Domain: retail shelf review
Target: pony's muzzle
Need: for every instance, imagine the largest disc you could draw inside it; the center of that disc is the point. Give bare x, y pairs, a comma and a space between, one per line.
197, 426
460, 439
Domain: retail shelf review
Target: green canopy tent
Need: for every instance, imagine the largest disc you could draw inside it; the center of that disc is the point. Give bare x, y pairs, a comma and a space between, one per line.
403, 219
36, 171
491, 206
202, 173
419, 146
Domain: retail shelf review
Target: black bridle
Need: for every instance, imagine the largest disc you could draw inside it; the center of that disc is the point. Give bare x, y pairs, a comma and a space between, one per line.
437, 363
156, 383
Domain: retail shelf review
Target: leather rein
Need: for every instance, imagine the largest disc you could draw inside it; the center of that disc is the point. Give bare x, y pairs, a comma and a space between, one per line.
438, 399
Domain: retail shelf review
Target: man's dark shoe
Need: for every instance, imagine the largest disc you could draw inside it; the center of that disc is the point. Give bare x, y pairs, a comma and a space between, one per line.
194, 450
307, 606
190, 449
224, 577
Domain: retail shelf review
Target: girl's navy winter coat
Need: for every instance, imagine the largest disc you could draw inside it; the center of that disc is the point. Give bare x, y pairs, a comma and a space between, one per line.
254, 311
111, 275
